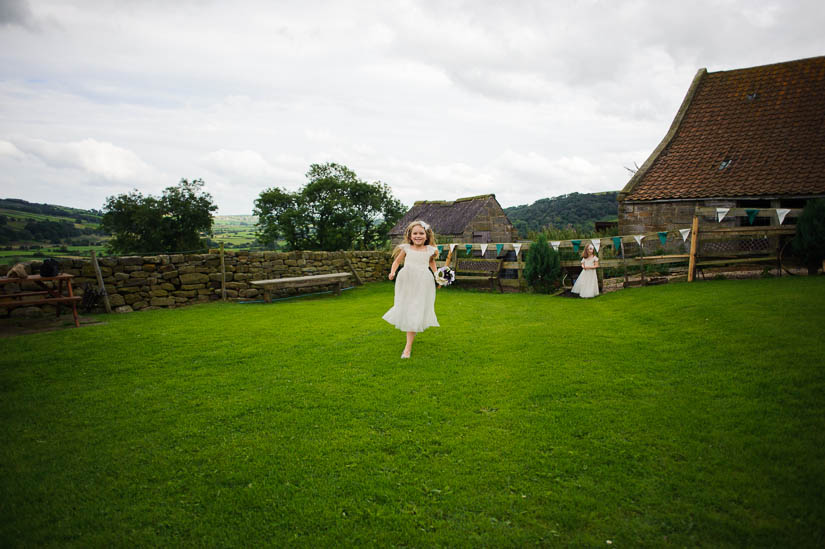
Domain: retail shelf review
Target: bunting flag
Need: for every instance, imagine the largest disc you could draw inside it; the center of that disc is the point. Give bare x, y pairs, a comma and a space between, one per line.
781, 213
721, 213
499, 247
452, 247
517, 248
576, 244
469, 248
483, 249
555, 244
638, 238
617, 243
440, 249
684, 233
751, 215
662, 237
596, 243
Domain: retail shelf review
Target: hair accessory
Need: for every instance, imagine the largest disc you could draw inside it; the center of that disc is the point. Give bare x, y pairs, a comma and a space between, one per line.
425, 225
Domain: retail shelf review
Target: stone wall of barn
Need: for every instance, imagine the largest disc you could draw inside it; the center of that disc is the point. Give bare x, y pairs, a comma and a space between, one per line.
167, 281
649, 217
490, 225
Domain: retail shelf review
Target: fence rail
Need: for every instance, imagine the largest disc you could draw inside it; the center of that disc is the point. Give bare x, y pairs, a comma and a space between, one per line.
739, 245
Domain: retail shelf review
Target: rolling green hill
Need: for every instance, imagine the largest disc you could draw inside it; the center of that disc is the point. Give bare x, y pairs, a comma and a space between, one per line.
30, 229
575, 210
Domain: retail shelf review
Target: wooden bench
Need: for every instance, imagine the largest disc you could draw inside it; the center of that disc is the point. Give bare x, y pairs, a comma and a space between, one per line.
47, 296
479, 269
334, 279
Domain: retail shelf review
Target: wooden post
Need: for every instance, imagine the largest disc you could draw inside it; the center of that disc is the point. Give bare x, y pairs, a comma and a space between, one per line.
223, 275
642, 262
694, 239
101, 284
352, 269
624, 263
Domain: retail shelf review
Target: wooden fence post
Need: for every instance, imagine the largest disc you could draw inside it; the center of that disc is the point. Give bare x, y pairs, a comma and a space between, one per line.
694, 239
223, 275
352, 269
642, 263
624, 263
100, 284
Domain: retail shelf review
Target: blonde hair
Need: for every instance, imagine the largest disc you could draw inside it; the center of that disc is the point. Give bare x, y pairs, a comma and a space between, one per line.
430, 241
584, 250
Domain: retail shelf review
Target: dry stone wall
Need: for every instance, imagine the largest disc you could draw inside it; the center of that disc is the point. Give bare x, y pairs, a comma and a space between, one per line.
166, 281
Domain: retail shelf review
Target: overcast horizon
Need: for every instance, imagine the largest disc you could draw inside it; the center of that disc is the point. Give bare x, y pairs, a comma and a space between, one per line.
439, 100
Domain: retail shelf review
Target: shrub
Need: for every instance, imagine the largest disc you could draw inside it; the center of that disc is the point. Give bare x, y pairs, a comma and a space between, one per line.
809, 242
543, 268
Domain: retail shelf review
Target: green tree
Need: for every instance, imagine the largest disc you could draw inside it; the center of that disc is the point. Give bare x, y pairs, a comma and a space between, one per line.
334, 211
809, 242
543, 268
171, 223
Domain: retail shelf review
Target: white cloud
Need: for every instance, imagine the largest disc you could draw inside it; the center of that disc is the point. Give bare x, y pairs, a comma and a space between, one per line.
243, 164
100, 159
9, 149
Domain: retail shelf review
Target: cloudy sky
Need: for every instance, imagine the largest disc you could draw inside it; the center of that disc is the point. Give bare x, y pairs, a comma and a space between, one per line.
439, 99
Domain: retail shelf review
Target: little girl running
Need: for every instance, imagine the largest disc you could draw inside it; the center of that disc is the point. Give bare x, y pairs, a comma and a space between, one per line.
413, 310
587, 285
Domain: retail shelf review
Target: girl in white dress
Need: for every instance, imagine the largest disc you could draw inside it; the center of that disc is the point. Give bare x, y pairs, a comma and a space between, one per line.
413, 310
587, 285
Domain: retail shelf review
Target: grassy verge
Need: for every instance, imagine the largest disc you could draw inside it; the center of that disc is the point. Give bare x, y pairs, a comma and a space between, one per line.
685, 415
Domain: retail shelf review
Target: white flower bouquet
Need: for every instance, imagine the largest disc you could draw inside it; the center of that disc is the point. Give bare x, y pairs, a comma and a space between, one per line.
444, 276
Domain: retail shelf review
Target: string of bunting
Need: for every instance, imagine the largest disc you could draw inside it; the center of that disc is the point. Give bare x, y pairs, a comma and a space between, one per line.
616, 241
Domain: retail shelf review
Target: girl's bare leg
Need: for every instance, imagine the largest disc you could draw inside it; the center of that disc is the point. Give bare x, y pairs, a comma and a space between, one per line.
408, 348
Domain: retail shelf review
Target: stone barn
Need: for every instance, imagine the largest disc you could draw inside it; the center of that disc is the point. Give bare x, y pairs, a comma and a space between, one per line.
478, 219
745, 138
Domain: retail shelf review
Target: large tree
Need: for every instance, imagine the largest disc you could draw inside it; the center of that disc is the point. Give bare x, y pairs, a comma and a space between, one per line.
334, 211
172, 222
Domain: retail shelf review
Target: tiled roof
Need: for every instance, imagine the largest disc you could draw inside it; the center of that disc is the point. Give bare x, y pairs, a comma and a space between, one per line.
753, 132
445, 217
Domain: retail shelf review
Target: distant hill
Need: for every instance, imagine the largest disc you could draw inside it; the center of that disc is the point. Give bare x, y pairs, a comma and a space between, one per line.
576, 210
31, 223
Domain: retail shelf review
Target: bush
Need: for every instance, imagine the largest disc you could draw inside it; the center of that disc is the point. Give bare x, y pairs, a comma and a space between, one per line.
543, 268
809, 242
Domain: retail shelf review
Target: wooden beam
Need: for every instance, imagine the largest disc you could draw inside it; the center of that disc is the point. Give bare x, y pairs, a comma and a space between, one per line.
100, 284
694, 239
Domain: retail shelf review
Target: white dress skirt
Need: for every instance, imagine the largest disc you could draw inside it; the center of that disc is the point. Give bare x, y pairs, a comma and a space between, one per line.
413, 309
587, 285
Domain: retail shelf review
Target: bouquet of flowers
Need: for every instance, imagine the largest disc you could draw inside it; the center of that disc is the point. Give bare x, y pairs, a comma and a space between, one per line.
444, 276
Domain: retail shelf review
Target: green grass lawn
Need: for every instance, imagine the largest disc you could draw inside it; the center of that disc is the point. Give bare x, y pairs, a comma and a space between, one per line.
676, 415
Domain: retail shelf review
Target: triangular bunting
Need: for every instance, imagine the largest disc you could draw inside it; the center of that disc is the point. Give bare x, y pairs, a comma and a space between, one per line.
721, 213
452, 247
662, 237
555, 244
781, 213
483, 249
440, 249
576, 244
596, 243
751, 215
617, 243
469, 248
517, 248
684, 233
499, 247
638, 238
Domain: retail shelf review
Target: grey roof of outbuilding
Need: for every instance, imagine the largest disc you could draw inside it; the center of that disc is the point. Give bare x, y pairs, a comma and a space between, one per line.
446, 217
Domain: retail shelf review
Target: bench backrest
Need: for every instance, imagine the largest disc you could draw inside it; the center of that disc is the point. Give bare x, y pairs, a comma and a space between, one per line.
479, 265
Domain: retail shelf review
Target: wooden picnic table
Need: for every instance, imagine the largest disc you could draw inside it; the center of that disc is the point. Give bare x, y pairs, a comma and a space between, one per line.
57, 292
334, 279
